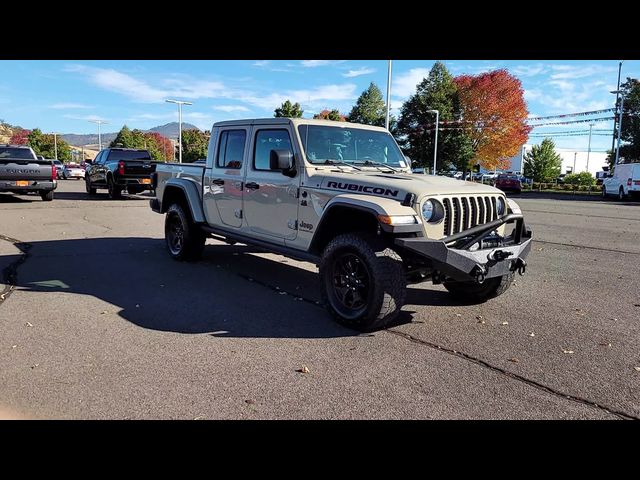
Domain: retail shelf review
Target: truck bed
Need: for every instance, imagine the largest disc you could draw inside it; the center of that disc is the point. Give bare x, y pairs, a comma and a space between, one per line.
193, 172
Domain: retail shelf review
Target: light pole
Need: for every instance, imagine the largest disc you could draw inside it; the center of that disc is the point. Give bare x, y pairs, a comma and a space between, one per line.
618, 92
179, 103
386, 120
99, 122
435, 142
589, 147
55, 145
613, 139
574, 162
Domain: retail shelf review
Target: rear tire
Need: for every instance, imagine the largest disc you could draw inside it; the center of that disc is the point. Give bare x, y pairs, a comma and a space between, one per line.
184, 240
115, 192
604, 192
621, 195
479, 292
363, 283
46, 196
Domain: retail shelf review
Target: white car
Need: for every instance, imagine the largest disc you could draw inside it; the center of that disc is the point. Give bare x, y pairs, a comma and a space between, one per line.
73, 171
624, 182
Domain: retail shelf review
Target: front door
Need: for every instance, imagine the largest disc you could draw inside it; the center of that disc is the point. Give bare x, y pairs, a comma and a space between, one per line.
270, 198
225, 181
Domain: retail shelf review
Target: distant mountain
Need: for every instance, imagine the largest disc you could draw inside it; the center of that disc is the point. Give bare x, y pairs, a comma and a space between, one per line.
170, 130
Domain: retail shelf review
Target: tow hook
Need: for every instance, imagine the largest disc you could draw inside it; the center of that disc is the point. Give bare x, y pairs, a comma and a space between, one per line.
479, 273
499, 255
520, 265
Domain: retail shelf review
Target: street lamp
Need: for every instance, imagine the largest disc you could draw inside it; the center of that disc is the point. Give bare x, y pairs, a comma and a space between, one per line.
589, 147
179, 103
386, 120
99, 122
618, 92
435, 142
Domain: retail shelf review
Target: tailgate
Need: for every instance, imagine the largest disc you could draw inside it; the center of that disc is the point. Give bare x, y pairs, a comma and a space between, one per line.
25, 169
139, 168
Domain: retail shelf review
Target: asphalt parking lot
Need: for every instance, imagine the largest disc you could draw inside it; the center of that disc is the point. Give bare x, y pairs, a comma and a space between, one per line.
103, 324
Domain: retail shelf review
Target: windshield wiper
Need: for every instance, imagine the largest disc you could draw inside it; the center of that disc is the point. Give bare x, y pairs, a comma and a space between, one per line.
379, 164
340, 162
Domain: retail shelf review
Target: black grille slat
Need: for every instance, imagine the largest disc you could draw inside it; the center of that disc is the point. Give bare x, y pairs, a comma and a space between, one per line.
474, 211
487, 202
456, 215
495, 208
482, 208
447, 216
465, 213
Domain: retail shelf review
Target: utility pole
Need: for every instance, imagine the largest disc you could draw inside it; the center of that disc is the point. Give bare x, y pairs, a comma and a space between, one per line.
386, 120
435, 142
179, 103
618, 92
613, 139
574, 162
589, 147
55, 145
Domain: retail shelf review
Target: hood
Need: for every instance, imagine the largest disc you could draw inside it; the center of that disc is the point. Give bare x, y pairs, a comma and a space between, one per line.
396, 185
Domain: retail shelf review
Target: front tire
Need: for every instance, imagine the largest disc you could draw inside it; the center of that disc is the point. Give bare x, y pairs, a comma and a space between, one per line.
88, 187
473, 292
363, 283
604, 192
185, 241
47, 196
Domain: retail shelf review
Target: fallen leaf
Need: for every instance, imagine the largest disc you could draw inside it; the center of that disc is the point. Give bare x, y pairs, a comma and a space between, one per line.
103, 312
34, 366
637, 369
540, 249
479, 317
29, 324
458, 314
514, 360
481, 321
605, 344
567, 351
250, 402
504, 323
532, 334
14, 346
304, 369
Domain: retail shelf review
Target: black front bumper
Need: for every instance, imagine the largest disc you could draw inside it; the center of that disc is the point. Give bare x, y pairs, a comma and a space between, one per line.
492, 256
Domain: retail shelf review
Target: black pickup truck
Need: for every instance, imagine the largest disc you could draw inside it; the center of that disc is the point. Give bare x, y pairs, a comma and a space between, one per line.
118, 169
21, 171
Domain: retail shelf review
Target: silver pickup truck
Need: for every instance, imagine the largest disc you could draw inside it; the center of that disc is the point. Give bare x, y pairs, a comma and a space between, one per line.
21, 171
342, 196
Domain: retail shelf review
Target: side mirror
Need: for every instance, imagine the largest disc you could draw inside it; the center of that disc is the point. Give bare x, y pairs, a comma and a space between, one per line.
282, 160
88, 162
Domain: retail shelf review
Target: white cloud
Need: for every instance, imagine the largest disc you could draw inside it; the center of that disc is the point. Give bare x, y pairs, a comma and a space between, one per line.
404, 84
261, 63
358, 72
85, 117
231, 108
530, 70
579, 71
312, 98
319, 63
68, 106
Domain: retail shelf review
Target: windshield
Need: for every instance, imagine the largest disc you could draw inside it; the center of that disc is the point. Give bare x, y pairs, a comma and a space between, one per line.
351, 145
17, 153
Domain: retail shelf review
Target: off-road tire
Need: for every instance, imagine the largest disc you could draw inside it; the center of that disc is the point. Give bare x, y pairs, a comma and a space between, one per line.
87, 185
47, 196
387, 283
472, 292
191, 244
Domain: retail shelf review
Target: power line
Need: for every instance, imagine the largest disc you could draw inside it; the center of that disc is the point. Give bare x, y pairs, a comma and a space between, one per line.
578, 114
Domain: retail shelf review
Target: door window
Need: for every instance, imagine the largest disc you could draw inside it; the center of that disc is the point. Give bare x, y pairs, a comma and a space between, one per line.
267, 140
231, 149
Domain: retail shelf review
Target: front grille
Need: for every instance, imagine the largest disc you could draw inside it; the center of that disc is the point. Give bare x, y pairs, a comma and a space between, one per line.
462, 213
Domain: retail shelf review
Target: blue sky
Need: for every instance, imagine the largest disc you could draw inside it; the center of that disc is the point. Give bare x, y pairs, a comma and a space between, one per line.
62, 95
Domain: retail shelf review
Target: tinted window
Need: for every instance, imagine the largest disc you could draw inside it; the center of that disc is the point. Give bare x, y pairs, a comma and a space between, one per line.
231, 149
267, 140
129, 155
19, 153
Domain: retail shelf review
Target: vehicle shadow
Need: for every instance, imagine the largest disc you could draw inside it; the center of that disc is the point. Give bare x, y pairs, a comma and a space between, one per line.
8, 198
98, 196
144, 286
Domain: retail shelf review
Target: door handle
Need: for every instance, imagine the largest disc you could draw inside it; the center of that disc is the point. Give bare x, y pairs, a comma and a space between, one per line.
252, 186
218, 181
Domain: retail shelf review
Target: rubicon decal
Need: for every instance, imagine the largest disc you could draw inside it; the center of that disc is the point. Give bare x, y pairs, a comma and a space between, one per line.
352, 187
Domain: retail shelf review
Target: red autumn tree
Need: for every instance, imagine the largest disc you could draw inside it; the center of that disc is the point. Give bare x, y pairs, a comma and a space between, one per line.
327, 114
159, 146
20, 137
494, 113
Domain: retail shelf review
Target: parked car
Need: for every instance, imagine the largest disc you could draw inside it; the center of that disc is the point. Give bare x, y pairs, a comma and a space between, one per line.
508, 183
117, 169
21, 172
623, 182
73, 170
59, 168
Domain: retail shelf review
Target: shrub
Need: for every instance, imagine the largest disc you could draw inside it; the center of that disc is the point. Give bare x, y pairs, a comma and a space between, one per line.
582, 178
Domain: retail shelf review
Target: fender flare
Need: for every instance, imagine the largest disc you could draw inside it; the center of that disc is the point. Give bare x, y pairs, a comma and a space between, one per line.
191, 193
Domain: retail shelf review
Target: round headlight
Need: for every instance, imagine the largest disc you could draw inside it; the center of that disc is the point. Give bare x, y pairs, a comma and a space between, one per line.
500, 206
428, 210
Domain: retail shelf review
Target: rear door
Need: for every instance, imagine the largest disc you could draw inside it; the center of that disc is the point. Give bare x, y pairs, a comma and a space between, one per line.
271, 198
224, 180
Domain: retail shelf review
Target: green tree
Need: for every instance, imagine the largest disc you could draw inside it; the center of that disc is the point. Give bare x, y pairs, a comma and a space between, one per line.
194, 145
370, 108
416, 127
542, 163
124, 139
327, 114
289, 110
630, 121
45, 144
